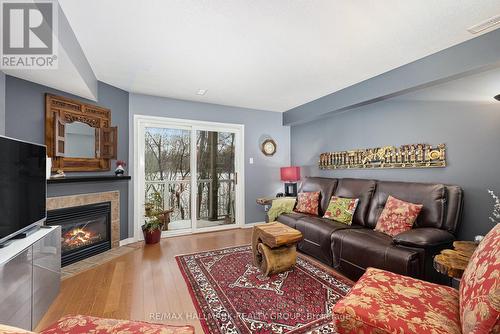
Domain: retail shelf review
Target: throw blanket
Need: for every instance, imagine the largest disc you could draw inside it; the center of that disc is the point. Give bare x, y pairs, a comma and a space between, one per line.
280, 206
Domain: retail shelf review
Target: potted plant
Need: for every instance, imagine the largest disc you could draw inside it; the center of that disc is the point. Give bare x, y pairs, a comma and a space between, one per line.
155, 218
152, 229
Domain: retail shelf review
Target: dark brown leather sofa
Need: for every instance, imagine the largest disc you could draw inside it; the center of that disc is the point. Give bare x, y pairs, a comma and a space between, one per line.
351, 249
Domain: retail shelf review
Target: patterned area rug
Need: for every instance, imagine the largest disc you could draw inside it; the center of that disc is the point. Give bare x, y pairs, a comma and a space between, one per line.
232, 296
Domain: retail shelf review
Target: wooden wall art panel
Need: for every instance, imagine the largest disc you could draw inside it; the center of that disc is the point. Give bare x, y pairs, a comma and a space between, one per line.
405, 156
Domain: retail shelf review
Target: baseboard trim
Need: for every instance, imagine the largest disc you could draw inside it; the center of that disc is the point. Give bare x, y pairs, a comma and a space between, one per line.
249, 225
127, 241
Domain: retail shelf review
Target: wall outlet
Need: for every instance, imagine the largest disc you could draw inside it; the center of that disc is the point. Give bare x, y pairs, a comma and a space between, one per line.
250, 161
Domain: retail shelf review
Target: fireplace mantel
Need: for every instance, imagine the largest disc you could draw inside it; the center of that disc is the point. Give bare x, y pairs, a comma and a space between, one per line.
88, 178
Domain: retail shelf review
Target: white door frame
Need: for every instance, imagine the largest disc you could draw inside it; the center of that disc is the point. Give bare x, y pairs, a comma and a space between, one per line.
143, 121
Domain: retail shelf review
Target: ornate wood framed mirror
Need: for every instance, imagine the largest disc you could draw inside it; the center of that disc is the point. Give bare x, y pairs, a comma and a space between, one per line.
78, 135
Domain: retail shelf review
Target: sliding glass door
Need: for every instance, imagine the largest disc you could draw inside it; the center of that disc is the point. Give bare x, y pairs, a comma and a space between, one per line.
216, 178
190, 171
167, 174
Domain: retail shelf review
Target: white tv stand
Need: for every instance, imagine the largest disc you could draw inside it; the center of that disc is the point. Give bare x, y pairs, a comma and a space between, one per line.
30, 277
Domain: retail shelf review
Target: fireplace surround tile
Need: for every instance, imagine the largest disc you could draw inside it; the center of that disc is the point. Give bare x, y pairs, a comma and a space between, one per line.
63, 202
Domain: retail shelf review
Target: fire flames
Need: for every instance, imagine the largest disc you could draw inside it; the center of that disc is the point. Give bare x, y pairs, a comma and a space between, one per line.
79, 237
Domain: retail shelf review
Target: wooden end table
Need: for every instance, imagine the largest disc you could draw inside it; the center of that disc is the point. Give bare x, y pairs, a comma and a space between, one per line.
266, 202
452, 262
274, 247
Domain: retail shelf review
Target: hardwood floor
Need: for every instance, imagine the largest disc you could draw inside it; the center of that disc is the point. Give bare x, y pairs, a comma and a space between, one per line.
145, 284
140, 284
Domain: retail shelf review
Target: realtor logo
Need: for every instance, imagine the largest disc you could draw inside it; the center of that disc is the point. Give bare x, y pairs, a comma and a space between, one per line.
28, 30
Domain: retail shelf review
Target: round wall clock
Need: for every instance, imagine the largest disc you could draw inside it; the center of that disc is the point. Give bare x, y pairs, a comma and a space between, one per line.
268, 147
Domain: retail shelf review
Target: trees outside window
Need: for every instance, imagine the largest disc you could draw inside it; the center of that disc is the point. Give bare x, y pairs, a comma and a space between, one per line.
168, 174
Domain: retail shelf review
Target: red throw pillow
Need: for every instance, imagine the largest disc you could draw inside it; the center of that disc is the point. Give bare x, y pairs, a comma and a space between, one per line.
479, 287
308, 203
397, 217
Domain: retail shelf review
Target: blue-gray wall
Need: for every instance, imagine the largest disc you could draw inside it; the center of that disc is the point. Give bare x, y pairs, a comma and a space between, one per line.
471, 132
473, 56
261, 178
25, 119
2, 103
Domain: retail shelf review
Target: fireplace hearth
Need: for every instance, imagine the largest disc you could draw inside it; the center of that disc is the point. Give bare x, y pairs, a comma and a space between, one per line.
86, 230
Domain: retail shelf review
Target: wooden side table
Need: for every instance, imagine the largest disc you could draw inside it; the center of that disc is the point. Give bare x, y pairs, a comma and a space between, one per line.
452, 262
274, 247
266, 202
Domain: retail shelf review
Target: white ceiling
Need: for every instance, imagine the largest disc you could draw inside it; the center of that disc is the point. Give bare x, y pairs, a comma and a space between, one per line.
262, 54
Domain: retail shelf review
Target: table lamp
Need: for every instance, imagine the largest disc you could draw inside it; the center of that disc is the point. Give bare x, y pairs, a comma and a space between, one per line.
290, 175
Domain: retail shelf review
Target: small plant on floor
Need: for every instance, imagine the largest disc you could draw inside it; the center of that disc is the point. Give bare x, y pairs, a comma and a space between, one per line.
152, 224
154, 219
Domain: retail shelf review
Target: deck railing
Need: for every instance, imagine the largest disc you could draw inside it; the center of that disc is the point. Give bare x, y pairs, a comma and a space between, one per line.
176, 195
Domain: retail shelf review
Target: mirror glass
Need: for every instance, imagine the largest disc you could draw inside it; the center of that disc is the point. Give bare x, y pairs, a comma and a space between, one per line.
80, 140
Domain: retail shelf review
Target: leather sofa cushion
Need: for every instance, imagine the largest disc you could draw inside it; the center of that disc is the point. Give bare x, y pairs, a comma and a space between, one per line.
324, 185
431, 196
357, 188
317, 233
425, 237
454, 204
368, 248
291, 219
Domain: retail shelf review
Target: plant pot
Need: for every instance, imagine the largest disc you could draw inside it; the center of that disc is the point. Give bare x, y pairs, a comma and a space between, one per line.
152, 237
119, 171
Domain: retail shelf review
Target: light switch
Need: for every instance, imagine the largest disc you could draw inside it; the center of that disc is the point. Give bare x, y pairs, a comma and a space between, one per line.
250, 161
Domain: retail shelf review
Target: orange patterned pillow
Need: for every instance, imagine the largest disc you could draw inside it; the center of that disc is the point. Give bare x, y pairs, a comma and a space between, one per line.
308, 203
479, 291
397, 217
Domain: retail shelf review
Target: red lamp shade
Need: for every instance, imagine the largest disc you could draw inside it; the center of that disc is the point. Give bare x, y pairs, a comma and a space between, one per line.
290, 174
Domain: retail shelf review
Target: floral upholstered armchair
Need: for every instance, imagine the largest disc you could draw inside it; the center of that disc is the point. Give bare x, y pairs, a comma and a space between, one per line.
84, 324
384, 302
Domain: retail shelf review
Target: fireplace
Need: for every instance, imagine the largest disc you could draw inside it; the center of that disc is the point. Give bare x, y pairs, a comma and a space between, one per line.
86, 230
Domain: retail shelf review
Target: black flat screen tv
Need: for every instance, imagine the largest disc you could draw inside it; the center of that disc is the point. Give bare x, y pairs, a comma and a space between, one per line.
23, 186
